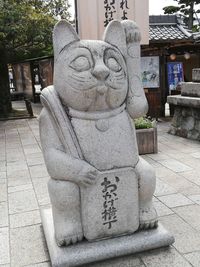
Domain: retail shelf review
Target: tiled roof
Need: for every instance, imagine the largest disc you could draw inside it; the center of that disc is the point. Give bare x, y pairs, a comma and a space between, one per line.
167, 28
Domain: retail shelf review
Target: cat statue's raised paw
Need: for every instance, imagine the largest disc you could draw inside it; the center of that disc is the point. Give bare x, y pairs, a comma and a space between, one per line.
88, 138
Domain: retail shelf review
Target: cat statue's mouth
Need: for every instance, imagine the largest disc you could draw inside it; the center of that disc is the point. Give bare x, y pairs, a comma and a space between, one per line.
102, 90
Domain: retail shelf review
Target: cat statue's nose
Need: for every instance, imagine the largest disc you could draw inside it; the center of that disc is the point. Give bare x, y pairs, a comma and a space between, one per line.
101, 72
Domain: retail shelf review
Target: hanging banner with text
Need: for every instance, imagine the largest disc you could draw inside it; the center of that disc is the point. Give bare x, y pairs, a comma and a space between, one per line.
175, 74
94, 15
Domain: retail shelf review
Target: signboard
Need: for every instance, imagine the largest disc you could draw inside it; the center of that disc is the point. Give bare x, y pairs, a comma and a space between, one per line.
175, 74
150, 72
94, 15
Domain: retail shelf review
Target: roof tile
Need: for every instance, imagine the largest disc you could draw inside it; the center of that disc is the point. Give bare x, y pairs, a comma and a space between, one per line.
166, 32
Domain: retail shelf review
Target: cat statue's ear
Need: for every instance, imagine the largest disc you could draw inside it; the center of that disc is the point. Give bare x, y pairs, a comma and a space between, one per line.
63, 34
114, 34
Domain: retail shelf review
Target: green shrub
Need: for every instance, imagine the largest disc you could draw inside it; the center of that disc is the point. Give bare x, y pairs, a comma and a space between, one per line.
143, 123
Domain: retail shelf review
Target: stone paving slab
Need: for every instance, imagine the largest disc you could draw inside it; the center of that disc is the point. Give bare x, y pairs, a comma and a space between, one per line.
165, 258
175, 165
25, 219
22, 201
3, 191
181, 184
38, 171
195, 198
163, 189
191, 215
196, 155
3, 214
41, 190
187, 239
31, 243
162, 210
193, 258
175, 200
4, 246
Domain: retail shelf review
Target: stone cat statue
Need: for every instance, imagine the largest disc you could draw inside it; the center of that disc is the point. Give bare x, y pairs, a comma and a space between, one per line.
87, 133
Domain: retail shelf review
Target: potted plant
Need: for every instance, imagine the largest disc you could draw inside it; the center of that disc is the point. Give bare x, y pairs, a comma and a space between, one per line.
146, 133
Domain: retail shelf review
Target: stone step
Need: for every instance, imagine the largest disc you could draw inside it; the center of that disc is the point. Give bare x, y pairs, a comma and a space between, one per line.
190, 89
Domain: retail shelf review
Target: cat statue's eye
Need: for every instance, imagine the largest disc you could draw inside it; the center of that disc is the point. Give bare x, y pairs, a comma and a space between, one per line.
113, 64
80, 64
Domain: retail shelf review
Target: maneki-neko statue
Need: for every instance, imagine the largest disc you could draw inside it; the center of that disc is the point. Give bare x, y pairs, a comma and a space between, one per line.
100, 188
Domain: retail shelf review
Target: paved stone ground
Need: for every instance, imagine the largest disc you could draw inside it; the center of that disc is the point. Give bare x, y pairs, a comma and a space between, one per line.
23, 190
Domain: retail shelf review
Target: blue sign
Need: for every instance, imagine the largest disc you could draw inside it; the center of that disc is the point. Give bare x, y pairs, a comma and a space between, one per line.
175, 74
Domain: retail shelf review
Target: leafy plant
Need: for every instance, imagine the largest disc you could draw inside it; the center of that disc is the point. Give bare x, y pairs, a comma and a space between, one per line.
25, 32
186, 8
143, 123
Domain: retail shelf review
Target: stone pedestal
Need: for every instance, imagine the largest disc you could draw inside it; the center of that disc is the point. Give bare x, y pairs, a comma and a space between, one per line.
186, 120
88, 252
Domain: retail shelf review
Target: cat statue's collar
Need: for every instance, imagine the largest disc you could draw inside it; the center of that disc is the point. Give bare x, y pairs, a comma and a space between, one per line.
95, 115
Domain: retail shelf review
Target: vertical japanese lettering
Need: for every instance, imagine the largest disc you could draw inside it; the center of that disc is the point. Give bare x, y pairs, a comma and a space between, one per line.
110, 9
124, 7
109, 214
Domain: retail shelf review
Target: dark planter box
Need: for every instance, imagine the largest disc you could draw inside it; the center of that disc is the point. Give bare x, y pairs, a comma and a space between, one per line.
147, 141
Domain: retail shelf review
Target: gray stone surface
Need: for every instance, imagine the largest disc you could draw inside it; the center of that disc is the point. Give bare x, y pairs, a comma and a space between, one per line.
35, 159
89, 252
25, 219
192, 215
31, 149
162, 209
195, 198
193, 258
43, 264
175, 165
196, 75
164, 258
2, 175
175, 200
163, 188
196, 155
3, 214
4, 246
3, 191
187, 239
186, 120
38, 171
18, 188
86, 130
186, 101
181, 184
41, 190
92, 202
190, 89
27, 246
22, 201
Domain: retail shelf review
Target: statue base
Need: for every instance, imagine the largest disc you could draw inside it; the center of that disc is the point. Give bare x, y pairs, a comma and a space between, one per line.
90, 252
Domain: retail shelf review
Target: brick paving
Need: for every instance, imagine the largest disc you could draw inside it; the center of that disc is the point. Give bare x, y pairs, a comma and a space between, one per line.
23, 190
